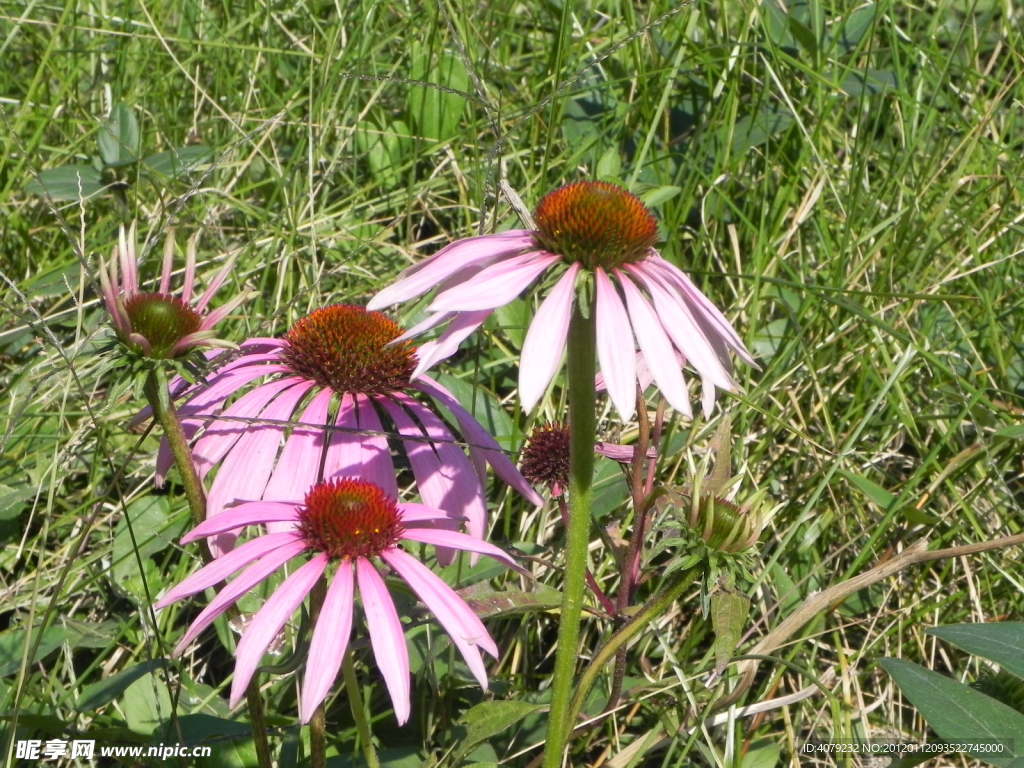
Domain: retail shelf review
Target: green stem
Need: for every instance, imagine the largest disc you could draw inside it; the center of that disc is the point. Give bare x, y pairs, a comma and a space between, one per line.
582, 367
654, 608
159, 397
355, 702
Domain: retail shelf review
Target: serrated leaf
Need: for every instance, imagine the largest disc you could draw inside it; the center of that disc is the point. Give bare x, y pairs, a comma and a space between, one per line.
957, 712
178, 162
118, 137
487, 602
728, 618
146, 704
1001, 642
67, 182
104, 691
488, 719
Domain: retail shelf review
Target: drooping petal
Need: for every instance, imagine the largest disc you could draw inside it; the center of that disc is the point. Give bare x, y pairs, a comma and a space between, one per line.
545, 341
268, 622
455, 540
462, 625
238, 586
447, 344
377, 465
707, 311
678, 322
386, 637
424, 325
461, 254
215, 285
302, 449
444, 476
221, 435
220, 568
330, 641
480, 440
249, 513
343, 451
247, 466
413, 513
657, 349
615, 349
496, 285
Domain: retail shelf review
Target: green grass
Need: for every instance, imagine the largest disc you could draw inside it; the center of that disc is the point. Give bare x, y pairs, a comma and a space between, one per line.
846, 187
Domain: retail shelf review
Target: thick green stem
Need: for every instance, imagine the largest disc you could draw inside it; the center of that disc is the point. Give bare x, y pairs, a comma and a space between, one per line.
582, 367
355, 702
159, 397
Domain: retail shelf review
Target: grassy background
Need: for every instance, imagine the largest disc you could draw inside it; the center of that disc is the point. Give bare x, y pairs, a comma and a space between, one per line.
842, 179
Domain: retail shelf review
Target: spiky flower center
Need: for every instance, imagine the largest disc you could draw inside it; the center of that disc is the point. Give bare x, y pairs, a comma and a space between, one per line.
162, 320
350, 518
596, 224
545, 459
344, 347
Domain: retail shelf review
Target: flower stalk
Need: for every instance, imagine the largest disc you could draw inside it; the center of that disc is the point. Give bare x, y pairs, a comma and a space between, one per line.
355, 702
158, 395
581, 370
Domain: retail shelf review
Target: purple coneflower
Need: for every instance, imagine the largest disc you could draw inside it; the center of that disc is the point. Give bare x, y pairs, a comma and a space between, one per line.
157, 324
641, 299
334, 381
347, 522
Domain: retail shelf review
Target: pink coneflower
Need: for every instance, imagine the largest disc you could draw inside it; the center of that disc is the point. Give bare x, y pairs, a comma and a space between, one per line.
339, 379
641, 300
348, 522
157, 324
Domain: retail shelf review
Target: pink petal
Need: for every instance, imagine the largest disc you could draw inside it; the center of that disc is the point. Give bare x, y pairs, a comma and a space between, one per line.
233, 422
268, 621
424, 325
238, 586
189, 280
657, 349
455, 540
126, 251
496, 285
249, 513
214, 286
165, 272
220, 568
615, 348
446, 345
330, 641
462, 625
302, 449
545, 341
422, 513
709, 313
480, 439
344, 455
448, 481
377, 466
386, 637
247, 466
449, 260
684, 331
221, 312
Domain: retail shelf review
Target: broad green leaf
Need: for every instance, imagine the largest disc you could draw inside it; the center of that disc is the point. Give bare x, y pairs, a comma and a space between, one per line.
754, 130
654, 197
868, 81
231, 741
104, 691
13, 500
728, 618
154, 529
957, 712
1012, 431
609, 165
855, 26
178, 162
761, 754
436, 112
119, 136
393, 757
488, 719
1001, 642
67, 182
12, 646
146, 703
